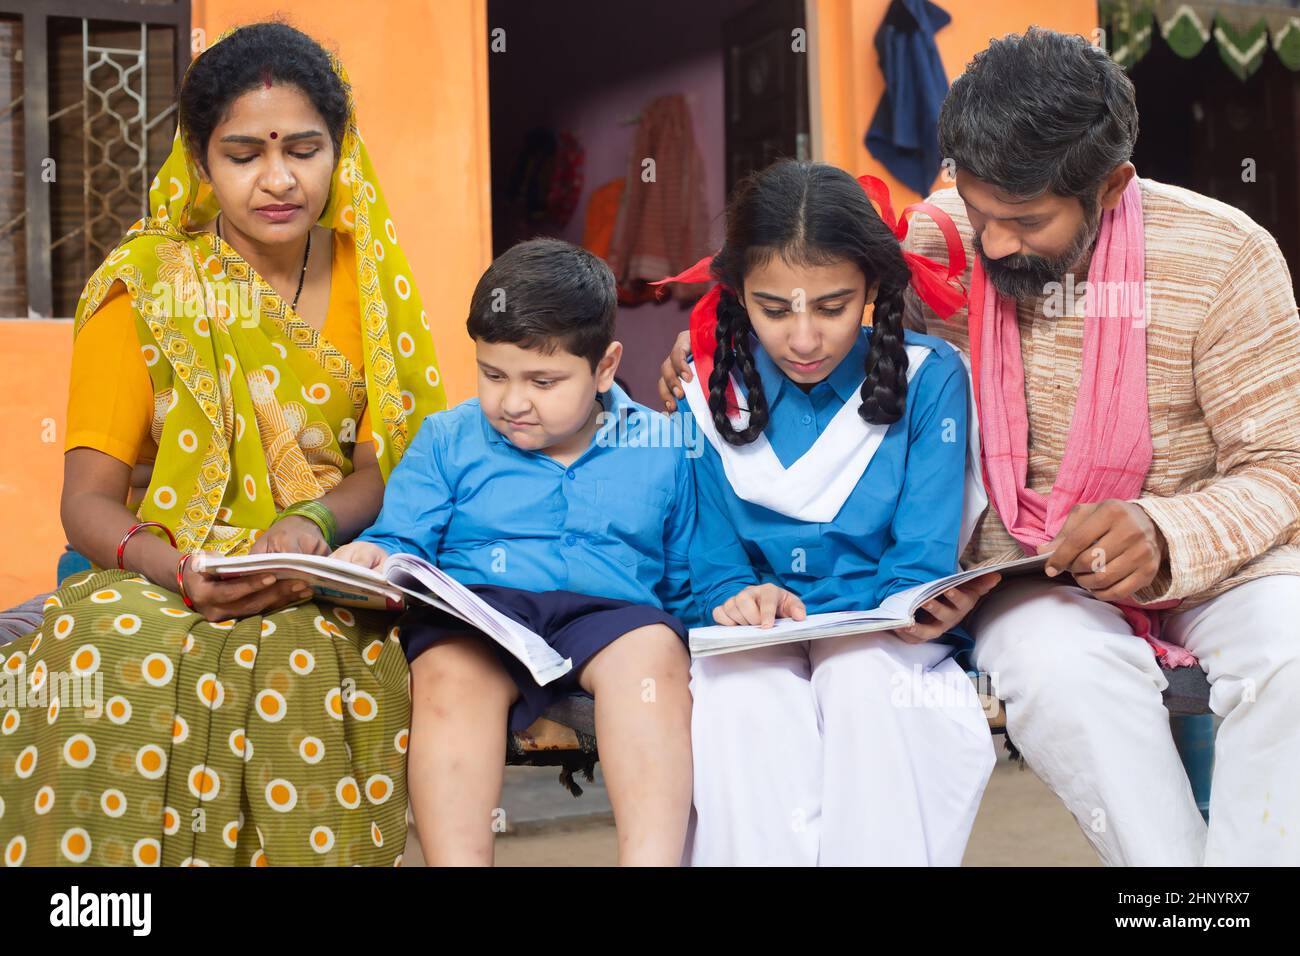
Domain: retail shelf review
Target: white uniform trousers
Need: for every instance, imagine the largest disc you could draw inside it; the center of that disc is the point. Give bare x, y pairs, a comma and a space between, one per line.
1083, 706
860, 750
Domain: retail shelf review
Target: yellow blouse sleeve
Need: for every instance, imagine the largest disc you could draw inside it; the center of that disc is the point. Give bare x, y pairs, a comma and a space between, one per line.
110, 398
363, 430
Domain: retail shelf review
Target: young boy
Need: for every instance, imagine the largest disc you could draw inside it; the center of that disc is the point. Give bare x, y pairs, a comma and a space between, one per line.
539, 497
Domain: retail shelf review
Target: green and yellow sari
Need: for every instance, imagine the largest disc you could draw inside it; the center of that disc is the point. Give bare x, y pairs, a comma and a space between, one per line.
136, 732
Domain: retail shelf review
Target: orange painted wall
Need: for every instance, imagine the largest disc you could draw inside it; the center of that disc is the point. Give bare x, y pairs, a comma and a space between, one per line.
419, 75
36, 356
846, 82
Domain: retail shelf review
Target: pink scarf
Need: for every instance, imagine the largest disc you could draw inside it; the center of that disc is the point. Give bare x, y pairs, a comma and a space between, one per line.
1108, 450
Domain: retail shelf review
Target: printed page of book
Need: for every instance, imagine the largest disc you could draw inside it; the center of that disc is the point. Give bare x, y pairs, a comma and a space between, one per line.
896, 611
341, 582
338, 582
725, 638
411, 572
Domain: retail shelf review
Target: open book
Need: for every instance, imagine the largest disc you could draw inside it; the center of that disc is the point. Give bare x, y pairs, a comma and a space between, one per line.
898, 610
400, 578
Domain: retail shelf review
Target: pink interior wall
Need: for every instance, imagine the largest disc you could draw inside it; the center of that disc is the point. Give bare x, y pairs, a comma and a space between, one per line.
585, 65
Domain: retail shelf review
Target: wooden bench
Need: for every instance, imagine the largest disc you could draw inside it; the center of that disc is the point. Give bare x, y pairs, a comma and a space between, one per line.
565, 736
23, 619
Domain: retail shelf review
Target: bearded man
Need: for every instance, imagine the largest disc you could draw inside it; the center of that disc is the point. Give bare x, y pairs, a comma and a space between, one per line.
1136, 362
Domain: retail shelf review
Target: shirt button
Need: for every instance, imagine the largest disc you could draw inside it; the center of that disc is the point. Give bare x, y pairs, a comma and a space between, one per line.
571, 473
568, 540
807, 420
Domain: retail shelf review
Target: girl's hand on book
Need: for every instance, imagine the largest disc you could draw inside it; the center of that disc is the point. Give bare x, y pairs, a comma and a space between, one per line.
761, 605
363, 553
942, 613
291, 535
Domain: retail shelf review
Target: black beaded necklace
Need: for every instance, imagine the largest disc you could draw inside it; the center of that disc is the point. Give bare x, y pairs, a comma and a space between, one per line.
306, 256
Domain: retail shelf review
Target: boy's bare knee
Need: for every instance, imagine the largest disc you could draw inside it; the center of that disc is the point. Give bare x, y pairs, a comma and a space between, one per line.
651, 653
662, 644
460, 666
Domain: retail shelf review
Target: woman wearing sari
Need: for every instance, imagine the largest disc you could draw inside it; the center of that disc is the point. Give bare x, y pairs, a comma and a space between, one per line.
259, 337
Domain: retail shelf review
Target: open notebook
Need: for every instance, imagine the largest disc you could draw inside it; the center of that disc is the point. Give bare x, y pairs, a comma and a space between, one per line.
898, 610
400, 578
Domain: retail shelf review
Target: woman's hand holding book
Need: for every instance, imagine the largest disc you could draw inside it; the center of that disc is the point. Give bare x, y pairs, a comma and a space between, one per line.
220, 599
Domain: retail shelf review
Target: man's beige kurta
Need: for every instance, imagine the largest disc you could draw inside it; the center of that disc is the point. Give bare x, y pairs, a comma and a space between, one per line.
1223, 383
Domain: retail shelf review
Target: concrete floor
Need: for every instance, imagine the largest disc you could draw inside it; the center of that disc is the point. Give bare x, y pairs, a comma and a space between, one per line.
1020, 823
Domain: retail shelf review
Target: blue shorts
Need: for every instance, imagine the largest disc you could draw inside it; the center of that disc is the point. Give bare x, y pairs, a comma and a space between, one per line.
577, 626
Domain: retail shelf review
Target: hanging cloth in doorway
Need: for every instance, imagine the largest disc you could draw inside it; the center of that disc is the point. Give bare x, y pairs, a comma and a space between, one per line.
904, 132
663, 221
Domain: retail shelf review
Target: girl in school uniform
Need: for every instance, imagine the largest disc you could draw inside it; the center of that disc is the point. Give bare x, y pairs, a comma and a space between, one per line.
834, 474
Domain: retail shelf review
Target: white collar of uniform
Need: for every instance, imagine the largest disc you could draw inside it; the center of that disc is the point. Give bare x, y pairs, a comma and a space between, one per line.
815, 487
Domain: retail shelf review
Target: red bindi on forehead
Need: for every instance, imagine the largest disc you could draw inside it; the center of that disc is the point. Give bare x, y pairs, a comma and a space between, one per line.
274, 135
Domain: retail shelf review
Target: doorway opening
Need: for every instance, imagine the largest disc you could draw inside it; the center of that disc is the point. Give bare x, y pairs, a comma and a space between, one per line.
578, 88
1236, 141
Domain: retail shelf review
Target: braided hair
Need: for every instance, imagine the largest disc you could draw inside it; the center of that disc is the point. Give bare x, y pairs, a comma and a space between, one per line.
812, 214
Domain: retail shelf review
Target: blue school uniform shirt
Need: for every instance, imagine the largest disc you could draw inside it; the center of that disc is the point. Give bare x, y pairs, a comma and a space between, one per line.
899, 527
616, 523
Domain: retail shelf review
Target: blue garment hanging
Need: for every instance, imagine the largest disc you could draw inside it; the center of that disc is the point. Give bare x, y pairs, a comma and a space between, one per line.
904, 132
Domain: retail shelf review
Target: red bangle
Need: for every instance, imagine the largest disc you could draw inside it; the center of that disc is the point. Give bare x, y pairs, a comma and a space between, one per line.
180, 580
132, 530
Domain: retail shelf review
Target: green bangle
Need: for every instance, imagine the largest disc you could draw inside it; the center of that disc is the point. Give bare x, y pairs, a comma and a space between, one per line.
317, 514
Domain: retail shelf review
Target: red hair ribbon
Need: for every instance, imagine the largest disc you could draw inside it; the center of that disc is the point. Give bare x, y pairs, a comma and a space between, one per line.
938, 286
704, 326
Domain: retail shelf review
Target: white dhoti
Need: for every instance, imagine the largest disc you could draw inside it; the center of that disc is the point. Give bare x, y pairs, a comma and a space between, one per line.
1083, 705
862, 750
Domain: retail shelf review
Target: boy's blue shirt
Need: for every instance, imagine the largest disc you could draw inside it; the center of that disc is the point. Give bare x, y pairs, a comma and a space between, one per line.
900, 525
615, 523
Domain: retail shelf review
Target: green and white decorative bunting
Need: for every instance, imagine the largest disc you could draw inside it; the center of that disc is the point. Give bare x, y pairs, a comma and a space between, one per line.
1241, 30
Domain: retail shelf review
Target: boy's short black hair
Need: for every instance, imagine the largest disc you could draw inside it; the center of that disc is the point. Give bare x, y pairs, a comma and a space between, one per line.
545, 294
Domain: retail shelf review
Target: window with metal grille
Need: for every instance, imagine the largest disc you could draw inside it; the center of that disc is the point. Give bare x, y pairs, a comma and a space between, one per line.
87, 115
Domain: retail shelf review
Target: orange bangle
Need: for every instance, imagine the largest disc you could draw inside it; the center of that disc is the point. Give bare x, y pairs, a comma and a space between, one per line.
121, 547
